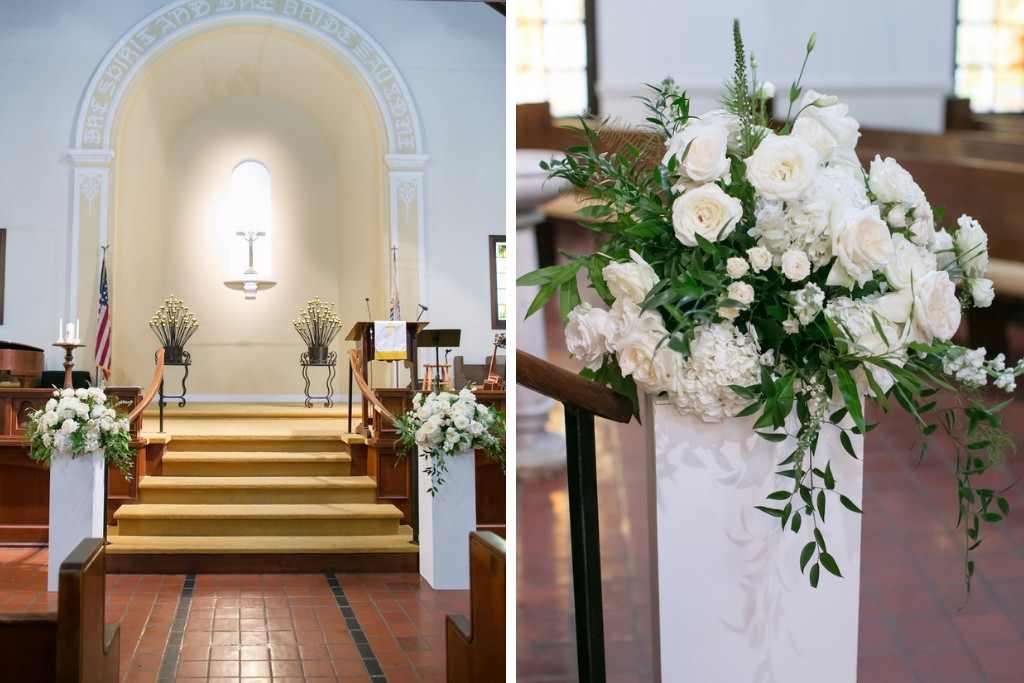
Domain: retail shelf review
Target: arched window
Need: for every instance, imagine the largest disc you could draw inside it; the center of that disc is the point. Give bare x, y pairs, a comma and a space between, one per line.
249, 217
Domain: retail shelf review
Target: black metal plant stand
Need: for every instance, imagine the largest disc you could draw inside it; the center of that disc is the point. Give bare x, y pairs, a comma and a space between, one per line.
185, 361
330, 362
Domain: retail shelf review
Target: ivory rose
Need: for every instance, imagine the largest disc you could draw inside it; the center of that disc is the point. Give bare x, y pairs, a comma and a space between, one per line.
782, 167
700, 150
862, 244
736, 267
706, 211
891, 183
971, 244
585, 335
936, 308
760, 259
740, 291
982, 292
795, 265
825, 124
630, 280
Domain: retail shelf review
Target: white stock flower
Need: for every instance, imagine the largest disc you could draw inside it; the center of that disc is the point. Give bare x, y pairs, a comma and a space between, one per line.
585, 335
736, 267
782, 167
982, 292
760, 259
862, 244
706, 211
700, 150
971, 244
632, 280
795, 265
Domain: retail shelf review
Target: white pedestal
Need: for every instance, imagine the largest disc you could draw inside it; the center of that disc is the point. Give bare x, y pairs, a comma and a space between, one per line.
446, 521
76, 507
733, 603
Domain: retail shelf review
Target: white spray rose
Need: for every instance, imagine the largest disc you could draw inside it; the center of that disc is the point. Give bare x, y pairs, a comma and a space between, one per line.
782, 167
621, 318
740, 291
891, 183
931, 309
907, 264
760, 259
706, 211
942, 246
825, 124
585, 335
795, 265
862, 244
630, 280
736, 267
971, 244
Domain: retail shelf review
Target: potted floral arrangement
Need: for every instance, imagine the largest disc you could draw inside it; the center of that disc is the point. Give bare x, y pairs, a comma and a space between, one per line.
174, 324
318, 326
443, 424
77, 421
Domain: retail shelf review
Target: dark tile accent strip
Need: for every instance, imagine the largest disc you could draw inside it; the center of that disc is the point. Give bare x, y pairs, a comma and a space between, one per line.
172, 651
366, 654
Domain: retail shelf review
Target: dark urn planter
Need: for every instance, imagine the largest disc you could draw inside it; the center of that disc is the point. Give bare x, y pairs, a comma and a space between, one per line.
317, 355
173, 354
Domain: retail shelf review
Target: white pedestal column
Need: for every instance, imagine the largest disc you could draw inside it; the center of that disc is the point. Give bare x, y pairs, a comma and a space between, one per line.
76, 507
732, 602
446, 521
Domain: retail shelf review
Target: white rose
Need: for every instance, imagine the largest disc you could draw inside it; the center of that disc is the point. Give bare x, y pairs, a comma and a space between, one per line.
736, 267
795, 265
630, 280
862, 244
897, 216
461, 422
728, 312
825, 124
585, 335
706, 211
891, 183
922, 230
936, 309
782, 167
942, 246
621, 318
68, 426
907, 264
706, 158
760, 259
982, 292
741, 292
647, 358
971, 247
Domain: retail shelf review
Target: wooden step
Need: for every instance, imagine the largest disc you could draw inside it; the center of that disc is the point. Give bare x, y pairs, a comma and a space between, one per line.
266, 490
400, 542
256, 464
285, 441
325, 519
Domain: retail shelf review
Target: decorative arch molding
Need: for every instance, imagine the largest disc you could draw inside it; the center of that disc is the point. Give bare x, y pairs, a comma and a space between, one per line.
143, 45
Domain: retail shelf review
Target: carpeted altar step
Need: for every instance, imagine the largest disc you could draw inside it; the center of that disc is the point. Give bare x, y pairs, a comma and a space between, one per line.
257, 489
255, 464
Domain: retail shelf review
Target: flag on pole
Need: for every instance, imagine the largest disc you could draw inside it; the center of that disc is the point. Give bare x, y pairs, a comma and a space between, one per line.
103, 326
395, 311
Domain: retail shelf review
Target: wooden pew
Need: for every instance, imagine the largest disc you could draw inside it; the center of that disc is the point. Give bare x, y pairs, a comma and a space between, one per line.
476, 646
72, 644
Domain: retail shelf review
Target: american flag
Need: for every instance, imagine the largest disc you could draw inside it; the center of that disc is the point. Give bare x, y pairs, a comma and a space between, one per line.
103, 327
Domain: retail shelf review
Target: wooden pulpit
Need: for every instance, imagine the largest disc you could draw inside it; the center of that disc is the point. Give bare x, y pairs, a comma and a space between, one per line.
362, 334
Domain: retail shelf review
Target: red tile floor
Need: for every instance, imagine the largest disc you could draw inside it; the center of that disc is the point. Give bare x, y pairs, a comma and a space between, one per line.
914, 626
260, 627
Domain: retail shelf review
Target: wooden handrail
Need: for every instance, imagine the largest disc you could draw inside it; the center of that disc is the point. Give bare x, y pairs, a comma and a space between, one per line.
569, 388
153, 388
364, 388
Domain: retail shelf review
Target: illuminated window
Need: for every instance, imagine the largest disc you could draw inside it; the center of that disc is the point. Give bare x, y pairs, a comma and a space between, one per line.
250, 212
552, 61
990, 54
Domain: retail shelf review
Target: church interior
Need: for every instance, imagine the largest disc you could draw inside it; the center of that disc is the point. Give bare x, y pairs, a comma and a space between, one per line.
240, 217
930, 85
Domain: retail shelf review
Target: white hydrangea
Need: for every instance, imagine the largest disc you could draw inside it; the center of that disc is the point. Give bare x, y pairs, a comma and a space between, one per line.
720, 356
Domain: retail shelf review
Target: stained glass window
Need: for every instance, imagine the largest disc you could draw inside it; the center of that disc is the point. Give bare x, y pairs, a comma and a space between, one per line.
552, 58
990, 55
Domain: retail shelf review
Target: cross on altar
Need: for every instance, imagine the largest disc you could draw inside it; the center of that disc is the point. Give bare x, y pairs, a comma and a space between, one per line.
250, 236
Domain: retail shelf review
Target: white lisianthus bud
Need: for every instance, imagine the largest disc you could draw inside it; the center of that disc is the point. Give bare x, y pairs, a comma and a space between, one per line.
982, 292
795, 265
736, 267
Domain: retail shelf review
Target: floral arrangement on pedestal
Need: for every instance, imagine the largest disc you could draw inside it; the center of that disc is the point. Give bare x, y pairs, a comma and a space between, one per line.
77, 421
760, 270
173, 324
317, 325
443, 424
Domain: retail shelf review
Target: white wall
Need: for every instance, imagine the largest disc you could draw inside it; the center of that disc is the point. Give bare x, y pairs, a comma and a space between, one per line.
450, 54
890, 60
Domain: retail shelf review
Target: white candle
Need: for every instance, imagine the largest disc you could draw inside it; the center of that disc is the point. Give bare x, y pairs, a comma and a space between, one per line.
69, 333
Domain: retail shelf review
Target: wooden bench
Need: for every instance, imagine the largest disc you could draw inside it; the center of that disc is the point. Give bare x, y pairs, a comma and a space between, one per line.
72, 644
476, 646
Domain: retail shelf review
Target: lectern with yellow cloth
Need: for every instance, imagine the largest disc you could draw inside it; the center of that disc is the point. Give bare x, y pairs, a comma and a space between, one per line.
385, 340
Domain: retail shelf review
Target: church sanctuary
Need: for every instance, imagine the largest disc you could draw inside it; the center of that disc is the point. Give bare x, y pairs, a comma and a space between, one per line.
247, 249
650, 548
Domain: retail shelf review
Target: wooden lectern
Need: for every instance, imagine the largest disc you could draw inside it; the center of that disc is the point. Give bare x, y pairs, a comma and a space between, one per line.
362, 334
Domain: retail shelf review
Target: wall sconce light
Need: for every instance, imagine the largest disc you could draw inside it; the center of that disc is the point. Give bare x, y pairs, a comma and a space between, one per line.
249, 204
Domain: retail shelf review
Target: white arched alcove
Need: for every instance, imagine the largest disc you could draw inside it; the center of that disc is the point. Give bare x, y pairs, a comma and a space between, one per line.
185, 95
